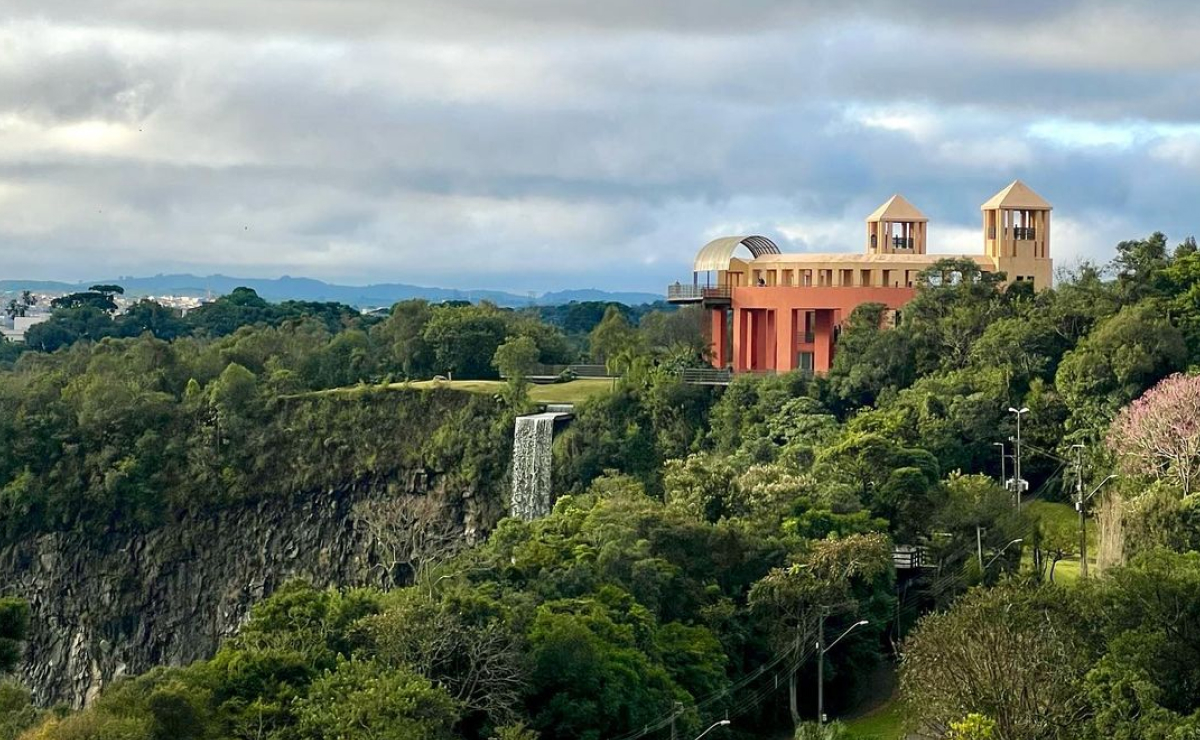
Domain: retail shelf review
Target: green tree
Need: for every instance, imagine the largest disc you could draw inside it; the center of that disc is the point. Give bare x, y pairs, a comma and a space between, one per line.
870, 359
14, 627
1115, 364
612, 336
955, 303
404, 333
465, 339
591, 678
516, 359
1013, 653
362, 700
149, 316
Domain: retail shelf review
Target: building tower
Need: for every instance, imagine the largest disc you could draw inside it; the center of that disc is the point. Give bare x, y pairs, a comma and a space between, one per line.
896, 227
1016, 234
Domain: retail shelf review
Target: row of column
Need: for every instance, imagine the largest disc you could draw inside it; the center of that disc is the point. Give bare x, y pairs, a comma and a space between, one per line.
766, 339
1000, 226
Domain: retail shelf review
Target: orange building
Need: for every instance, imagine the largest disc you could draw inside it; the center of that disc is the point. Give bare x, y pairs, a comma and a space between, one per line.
778, 312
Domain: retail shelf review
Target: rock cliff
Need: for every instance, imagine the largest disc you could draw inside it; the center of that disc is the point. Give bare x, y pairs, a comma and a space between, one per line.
119, 605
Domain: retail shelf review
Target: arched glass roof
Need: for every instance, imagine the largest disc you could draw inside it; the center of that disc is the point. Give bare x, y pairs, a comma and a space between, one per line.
716, 254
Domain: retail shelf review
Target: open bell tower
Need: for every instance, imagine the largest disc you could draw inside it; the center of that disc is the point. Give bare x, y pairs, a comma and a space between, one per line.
1016, 234
896, 227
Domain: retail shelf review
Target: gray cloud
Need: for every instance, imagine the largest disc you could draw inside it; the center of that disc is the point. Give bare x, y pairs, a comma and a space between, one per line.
542, 144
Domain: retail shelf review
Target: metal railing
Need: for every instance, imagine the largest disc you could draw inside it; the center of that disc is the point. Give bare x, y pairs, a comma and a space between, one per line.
717, 376
1020, 233
909, 557
899, 242
706, 376
680, 292
579, 370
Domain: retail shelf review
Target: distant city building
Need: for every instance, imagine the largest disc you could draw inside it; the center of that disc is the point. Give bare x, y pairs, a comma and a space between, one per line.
780, 312
14, 329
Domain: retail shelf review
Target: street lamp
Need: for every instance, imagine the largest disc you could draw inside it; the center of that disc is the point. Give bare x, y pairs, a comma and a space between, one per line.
1020, 482
1079, 505
821, 650
989, 563
1002, 456
722, 723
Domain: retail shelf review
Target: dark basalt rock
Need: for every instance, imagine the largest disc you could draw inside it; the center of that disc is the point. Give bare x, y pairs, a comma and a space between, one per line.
108, 607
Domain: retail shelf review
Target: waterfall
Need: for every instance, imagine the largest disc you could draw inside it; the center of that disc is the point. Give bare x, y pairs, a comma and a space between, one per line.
531, 495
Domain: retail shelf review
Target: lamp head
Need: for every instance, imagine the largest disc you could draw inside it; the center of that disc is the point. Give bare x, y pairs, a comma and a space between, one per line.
863, 623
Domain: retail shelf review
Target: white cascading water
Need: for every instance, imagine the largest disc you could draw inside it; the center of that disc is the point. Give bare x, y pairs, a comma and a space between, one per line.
532, 439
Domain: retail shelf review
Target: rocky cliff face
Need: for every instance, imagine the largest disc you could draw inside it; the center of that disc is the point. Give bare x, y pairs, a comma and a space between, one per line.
121, 605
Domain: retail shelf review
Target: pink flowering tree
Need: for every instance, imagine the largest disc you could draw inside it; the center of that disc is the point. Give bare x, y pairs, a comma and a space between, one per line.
1159, 434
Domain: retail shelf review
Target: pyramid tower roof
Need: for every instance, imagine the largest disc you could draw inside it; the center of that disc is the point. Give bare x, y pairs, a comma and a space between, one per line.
896, 209
1016, 195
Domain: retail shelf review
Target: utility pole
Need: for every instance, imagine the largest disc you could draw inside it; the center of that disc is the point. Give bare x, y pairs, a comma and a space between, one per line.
677, 711
821, 668
1019, 484
1079, 505
822, 648
1003, 477
979, 545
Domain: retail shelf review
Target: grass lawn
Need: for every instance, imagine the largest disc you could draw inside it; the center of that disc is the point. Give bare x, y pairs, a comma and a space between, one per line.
885, 723
575, 391
1064, 516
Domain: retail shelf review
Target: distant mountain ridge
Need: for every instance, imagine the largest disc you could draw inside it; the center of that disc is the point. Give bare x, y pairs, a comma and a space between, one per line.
307, 289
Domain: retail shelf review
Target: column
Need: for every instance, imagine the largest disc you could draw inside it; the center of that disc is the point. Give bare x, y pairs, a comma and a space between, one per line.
751, 338
719, 337
1046, 232
772, 342
822, 340
758, 328
785, 340
741, 338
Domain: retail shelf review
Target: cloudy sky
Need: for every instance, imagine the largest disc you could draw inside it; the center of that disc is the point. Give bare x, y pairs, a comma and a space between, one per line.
545, 144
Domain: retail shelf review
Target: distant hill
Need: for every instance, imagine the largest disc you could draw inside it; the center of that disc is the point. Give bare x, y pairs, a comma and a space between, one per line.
306, 289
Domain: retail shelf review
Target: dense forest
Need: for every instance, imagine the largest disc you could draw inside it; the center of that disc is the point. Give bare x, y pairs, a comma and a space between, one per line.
703, 540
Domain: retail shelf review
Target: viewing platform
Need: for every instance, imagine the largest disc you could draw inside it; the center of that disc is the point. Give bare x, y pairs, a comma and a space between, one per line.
679, 293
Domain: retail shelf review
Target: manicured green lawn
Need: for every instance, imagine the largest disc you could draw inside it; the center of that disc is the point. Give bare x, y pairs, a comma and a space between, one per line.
1065, 516
885, 723
575, 391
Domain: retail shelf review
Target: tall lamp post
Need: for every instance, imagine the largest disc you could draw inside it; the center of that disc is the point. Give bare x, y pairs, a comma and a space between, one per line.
1020, 482
821, 650
1080, 504
1001, 552
1003, 477
722, 723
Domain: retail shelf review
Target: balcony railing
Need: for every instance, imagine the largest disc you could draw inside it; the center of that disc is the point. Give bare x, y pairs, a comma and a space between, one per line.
715, 375
680, 293
899, 242
1020, 233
